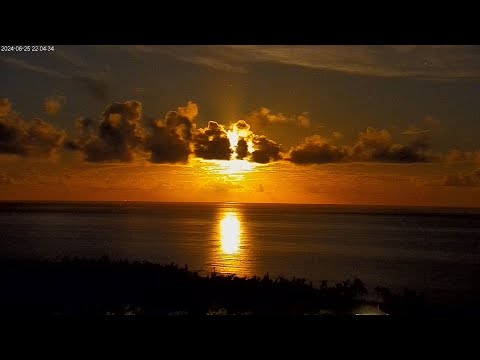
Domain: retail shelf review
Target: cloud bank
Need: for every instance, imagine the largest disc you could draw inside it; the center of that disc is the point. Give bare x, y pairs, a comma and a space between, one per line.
372, 145
121, 134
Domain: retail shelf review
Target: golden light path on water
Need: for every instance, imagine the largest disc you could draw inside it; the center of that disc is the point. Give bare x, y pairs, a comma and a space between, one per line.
231, 252
230, 233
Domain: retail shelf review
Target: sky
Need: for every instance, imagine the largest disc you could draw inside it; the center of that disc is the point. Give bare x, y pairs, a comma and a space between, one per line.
376, 125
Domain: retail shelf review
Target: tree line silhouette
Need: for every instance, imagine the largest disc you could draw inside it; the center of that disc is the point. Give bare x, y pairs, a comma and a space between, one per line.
81, 286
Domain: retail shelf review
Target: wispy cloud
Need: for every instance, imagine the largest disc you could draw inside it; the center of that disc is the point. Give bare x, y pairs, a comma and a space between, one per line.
214, 63
94, 83
22, 64
70, 58
263, 117
200, 55
413, 130
417, 61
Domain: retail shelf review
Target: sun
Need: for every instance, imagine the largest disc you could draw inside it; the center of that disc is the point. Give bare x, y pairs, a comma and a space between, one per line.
235, 166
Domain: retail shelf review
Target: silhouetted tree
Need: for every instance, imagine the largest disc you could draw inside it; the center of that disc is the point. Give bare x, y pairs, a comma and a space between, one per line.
359, 289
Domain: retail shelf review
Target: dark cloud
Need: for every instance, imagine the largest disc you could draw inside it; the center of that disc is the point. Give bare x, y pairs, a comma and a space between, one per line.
43, 138
242, 149
118, 135
212, 142
375, 145
372, 145
86, 130
245, 136
421, 142
265, 150
463, 179
35, 138
184, 125
317, 150
19, 137
167, 146
170, 141
403, 154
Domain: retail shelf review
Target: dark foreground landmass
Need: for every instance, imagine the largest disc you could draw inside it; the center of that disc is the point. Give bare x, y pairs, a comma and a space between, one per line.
104, 287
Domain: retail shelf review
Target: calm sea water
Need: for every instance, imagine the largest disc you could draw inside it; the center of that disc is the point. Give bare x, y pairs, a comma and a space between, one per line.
433, 250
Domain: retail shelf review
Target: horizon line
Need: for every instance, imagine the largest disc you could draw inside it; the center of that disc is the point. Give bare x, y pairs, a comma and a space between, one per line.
235, 202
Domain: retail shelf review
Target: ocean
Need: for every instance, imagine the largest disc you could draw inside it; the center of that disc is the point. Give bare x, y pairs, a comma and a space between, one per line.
432, 250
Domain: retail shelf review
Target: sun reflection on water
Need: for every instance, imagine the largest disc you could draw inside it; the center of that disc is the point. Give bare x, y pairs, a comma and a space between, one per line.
230, 233
230, 251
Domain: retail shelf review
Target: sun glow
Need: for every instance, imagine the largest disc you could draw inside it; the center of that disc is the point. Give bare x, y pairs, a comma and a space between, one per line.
230, 234
232, 167
235, 135
235, 166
